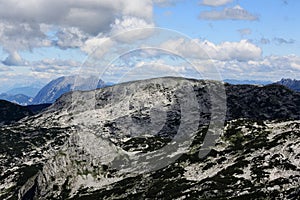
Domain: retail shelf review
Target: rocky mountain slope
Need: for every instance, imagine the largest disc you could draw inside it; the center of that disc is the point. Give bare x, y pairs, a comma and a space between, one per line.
11, 112
291, 84
35, 109
262, 102
62, 85
145, 140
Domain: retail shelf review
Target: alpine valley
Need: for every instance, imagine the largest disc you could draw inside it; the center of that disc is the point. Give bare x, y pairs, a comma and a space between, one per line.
106, 143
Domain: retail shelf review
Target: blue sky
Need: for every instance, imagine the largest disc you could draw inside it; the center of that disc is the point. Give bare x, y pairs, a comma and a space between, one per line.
277, 19
244, 39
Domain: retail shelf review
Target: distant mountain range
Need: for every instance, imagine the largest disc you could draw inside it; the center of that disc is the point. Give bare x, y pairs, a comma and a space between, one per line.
20, 99
290, 83
21, 95
53, 90
247, 82
28, 91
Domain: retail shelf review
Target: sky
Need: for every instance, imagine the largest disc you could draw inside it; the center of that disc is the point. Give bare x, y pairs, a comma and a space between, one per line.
239, 39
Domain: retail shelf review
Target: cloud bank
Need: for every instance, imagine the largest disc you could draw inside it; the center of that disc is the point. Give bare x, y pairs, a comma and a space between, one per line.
197, 49
234, 13
215, 2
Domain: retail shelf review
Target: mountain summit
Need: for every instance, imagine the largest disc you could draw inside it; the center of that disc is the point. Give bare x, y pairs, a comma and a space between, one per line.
292, 84
62, 85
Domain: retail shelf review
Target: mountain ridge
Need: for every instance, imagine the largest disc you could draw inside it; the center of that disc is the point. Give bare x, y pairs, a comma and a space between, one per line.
11, 112
95, 144
247, 82
28, 91
292, 84
20, 99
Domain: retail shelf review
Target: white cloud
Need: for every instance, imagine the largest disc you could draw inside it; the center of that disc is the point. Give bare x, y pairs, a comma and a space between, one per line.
21, 36
159, 66
280, 41
242, 50
130, 29
22, 24
53, 61
267, 68
27, 25
70, 38
277, 41
235, 13
244, 31
237, 60
4, 68
165, 2
14, 59
54, 69
264, 41
90, 16
54, 66
97, 46
290, 62
23, 78
125, 30
145, 69
216, 2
